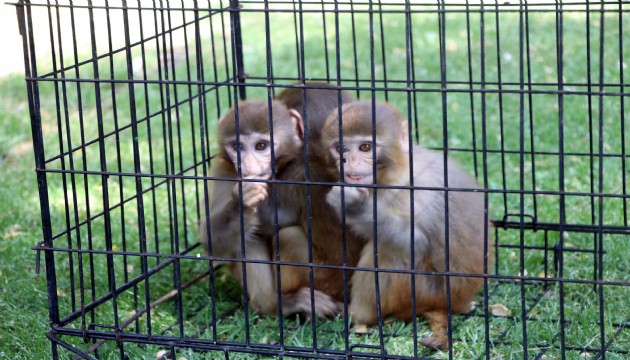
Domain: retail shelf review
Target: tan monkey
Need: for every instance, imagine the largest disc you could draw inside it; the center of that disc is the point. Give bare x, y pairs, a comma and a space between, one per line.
258, 208
254, 146
314, 103
466, 225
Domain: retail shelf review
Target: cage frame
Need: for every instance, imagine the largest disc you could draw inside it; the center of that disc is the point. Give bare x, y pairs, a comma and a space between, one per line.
239, 84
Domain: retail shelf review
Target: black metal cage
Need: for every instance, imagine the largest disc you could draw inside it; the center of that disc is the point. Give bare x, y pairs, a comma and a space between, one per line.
530, 96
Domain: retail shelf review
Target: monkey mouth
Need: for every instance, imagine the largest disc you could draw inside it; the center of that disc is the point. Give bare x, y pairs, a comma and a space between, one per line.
357, 179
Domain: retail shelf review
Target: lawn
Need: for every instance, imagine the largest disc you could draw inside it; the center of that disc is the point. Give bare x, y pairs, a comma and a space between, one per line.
169, 142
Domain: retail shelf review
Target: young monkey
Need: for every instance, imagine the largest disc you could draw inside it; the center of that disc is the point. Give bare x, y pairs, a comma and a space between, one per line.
466, 226
253, 146
314, 103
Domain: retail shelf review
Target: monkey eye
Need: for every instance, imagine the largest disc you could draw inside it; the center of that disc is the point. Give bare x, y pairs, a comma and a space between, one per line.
236, 146
261, 146
365, 147
341, 149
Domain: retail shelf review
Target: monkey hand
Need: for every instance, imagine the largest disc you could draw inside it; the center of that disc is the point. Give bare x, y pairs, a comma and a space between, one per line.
253, 193
355, 197
332, 198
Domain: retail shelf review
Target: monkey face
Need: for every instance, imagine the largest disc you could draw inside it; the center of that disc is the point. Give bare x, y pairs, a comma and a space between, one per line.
355, 154
255, 154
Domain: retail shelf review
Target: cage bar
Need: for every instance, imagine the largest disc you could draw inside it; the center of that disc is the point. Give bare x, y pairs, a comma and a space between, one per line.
530, 97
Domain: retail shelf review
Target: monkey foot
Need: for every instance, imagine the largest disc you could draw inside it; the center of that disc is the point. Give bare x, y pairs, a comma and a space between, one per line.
300, 302
435, 342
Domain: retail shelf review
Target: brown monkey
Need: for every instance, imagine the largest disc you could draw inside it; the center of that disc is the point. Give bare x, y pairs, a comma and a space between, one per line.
466, 224
291, 206
254, 146
315, 103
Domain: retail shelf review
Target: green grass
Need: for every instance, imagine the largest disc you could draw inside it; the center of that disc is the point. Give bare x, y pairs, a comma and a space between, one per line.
23, 295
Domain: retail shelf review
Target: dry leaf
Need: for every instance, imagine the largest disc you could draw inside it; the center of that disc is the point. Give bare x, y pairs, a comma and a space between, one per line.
499, 310
14, 231
473, 305
524, 273
361, 329
512, 255
162, 354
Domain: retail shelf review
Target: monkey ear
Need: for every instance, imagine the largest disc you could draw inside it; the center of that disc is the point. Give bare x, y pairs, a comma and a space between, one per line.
297, 123
223, 119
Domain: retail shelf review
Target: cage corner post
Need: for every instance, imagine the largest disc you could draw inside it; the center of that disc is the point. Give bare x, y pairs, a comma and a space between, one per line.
25, 25
237, 47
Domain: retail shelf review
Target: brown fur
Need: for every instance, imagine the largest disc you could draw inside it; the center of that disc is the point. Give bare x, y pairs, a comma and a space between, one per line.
466, 227
225, 219
253, 117
357, 119
319, 104
293, 217
326, 234
326, 231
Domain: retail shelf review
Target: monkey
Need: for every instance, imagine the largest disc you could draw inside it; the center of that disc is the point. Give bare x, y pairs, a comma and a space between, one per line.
258, 207
467, 230
314, 103
254, 147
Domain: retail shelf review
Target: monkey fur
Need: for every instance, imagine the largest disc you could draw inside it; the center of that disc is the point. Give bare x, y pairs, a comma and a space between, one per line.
467, 229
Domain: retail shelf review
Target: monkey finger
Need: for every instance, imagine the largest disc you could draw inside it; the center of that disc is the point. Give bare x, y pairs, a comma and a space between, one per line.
333, 196
359, 191
254, 199
254, 187
335, 191
363, 192
435, 342
260, 192
324, 306
327, 308
355, 195
245, 189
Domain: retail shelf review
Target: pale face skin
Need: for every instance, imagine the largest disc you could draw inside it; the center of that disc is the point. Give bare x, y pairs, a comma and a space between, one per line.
357, 157
255, 159
255, 152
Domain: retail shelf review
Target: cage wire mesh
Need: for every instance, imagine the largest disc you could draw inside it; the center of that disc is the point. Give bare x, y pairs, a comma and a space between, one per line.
531, 97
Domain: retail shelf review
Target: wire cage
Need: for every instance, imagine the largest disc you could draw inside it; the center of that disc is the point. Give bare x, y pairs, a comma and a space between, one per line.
531, 97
